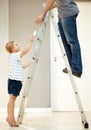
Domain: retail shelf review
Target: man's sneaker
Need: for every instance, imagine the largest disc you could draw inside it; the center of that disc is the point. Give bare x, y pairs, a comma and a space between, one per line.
74, 73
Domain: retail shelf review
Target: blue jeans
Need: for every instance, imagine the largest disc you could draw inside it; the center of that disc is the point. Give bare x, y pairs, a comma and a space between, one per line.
68, 31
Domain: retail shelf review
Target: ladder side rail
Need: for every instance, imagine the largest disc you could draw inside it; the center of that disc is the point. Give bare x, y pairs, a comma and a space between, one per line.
68, 67
28, 84
25, 94
35, 58
40, 37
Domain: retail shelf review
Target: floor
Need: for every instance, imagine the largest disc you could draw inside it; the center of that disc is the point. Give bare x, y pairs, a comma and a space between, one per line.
48, 121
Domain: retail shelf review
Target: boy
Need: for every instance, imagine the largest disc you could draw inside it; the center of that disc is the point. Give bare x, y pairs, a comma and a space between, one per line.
15, 76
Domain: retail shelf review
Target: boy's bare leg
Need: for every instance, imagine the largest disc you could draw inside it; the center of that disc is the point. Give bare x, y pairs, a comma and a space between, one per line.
10, 111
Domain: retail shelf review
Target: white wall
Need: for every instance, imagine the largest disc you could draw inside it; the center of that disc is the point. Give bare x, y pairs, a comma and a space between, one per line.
18, 26
21, 15
21, 26
3, 54
62, 95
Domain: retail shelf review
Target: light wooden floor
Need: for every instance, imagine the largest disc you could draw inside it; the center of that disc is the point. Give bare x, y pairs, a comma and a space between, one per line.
48, 121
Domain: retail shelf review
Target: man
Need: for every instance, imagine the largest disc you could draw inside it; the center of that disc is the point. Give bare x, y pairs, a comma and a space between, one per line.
67, 14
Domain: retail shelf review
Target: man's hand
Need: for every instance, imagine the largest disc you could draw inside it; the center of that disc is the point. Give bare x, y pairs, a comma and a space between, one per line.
47, 8
39, 19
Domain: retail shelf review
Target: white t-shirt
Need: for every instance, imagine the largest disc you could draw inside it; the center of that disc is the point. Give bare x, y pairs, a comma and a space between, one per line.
15, 67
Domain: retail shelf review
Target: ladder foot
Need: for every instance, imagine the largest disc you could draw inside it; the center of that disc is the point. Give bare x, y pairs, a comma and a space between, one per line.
86, 125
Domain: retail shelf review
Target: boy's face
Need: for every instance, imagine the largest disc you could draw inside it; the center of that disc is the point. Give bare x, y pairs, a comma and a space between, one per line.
16, 47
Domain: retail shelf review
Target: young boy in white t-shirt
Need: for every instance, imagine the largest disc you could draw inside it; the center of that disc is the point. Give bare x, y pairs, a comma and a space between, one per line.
15, 77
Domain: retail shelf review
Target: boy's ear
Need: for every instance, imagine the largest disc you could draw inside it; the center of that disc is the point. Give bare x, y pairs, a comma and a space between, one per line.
12, 49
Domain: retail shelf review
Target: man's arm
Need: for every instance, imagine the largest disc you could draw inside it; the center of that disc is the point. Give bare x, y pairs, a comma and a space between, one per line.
49, 6
54, 5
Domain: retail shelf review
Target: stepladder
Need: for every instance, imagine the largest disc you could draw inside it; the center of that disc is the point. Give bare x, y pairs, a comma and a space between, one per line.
35, 58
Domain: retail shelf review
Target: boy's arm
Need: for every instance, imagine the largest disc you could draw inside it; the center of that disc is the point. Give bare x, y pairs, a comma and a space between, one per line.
24, 51
24, 66
48, 7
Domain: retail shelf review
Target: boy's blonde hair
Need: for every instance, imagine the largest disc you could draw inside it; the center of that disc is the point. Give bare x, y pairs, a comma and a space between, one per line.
9, 46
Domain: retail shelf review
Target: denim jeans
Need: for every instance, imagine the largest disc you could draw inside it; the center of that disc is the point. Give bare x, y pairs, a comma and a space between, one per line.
68, 31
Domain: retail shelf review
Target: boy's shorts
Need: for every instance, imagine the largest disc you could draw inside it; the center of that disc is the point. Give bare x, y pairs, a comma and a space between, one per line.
14, 87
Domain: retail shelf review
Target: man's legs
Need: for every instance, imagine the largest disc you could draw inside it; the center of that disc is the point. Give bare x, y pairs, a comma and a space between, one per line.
68, 31
65, 43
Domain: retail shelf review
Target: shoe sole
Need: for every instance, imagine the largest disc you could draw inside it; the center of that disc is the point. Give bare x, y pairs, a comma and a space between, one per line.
75, 74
